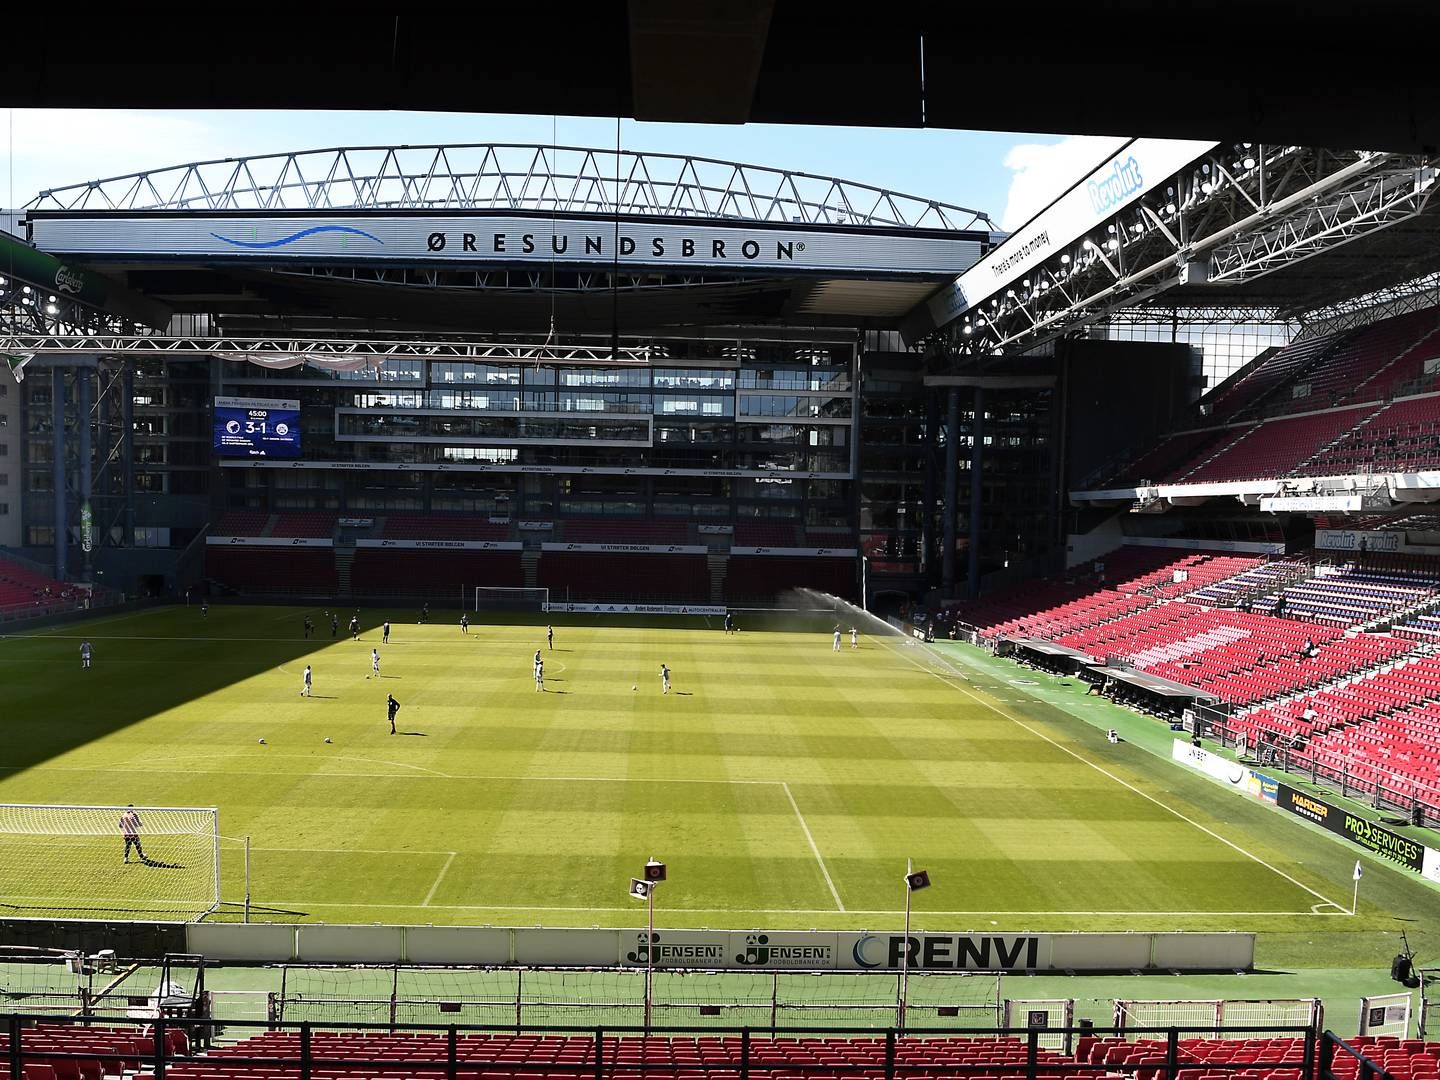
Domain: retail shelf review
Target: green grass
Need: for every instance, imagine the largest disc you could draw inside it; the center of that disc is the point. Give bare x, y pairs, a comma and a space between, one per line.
784, 785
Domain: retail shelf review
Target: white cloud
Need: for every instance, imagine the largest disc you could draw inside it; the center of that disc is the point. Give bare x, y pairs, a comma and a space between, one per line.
50, 148
1042, 171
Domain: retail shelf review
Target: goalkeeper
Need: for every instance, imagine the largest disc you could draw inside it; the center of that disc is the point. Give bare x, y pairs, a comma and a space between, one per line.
130, 830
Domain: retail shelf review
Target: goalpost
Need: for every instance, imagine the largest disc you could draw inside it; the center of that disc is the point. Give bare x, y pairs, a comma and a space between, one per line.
70, 861
498, 598
1227, 1019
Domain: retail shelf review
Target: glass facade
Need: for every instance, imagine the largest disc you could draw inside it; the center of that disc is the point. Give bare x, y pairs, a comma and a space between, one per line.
683, 436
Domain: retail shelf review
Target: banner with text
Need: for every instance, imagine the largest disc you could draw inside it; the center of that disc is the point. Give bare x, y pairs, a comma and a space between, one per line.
443, 545
1352, 827
793, 551
270, 541
637, 549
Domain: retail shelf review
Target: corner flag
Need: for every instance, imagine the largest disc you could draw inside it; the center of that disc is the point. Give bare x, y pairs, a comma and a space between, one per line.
1359, 873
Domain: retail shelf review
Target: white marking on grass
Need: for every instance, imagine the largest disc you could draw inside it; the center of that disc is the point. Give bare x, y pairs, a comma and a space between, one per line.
800, 911
829, 884
103, 621
438, 878
346, 851
397, 764
1124, 783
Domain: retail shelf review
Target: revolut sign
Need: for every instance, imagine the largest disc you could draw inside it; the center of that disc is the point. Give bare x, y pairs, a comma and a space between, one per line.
456, 239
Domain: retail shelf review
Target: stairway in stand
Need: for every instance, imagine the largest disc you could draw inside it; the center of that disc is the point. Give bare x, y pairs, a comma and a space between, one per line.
344, 560
719, 563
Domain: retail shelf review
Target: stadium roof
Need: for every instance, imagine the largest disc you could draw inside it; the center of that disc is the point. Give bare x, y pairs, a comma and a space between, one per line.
1188, 225
498, 239
1325, 73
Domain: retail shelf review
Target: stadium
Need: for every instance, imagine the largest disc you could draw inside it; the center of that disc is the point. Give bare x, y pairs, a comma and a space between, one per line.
489, 610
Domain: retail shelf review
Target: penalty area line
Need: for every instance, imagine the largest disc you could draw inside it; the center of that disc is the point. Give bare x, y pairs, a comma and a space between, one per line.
829, 884
1124, 783
438, 878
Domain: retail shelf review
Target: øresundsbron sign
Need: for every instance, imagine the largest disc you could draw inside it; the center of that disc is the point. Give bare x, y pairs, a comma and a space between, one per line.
503, 238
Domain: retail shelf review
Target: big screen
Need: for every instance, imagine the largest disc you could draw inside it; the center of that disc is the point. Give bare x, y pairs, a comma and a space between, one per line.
255, 428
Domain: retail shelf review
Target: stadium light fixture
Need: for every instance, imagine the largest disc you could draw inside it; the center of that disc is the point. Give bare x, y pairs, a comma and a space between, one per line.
1064, 260
51, 309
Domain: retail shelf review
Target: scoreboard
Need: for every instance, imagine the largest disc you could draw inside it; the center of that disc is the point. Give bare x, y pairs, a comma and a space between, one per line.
256, 428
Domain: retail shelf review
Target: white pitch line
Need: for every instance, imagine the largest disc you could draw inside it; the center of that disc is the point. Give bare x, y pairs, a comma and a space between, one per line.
125, 766
1123, 783
346, 851
829, 884
438, 878
809, 911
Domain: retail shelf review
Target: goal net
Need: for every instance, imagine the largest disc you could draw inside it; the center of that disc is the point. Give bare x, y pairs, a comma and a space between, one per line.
682, 1000
497, 598
1225, 1019
75, 861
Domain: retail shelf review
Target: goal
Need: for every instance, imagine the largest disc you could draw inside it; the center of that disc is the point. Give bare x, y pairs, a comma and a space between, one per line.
1226, 1019
69, 861
496, 598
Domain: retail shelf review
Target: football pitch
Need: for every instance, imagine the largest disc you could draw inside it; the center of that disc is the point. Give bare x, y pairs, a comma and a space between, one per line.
784, 784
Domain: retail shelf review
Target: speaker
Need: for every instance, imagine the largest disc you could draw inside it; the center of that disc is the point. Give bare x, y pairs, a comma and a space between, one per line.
654, 871
1417, 816
1400, 968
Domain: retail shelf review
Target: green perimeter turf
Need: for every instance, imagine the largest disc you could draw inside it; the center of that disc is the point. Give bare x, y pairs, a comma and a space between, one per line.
779, 780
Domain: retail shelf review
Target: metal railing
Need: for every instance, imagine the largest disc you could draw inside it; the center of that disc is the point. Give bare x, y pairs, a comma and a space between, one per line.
607, 1052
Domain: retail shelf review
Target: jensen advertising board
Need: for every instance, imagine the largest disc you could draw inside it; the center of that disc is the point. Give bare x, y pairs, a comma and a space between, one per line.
502, 238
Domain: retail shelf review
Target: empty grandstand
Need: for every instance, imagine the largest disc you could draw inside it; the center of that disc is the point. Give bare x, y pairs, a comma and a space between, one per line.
721, 550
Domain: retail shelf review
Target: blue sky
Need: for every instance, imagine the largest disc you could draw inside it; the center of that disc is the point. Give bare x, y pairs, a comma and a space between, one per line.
1009, 176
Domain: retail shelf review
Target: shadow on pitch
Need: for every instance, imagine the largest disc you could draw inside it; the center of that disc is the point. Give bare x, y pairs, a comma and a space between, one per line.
158, 865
